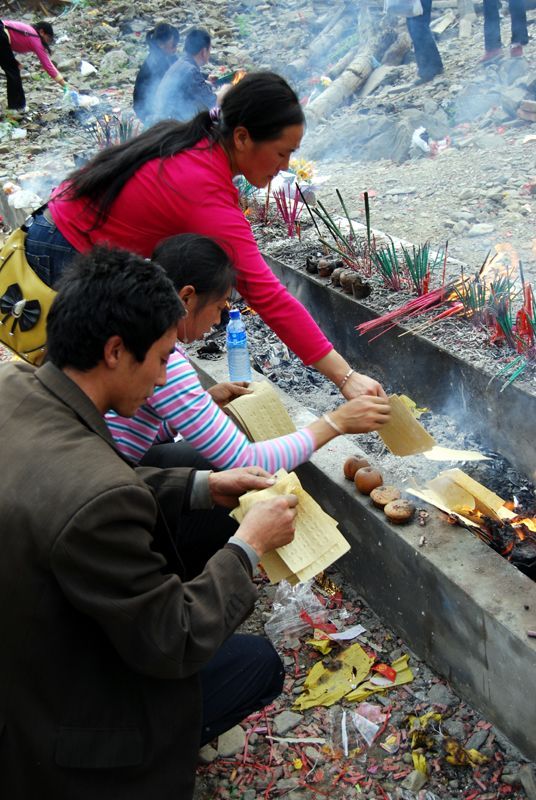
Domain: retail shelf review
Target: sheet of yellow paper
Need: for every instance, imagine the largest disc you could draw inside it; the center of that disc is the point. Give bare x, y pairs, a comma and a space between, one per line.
403, 675
262, 412
451, 494
486, 501
403, 434
438, 453
317, 541
324, 686
434, 500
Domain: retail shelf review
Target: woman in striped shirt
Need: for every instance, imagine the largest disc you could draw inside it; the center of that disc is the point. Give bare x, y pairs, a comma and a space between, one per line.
203, 276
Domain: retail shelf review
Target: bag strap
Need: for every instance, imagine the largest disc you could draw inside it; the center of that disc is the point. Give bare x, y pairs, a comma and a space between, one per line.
37, 211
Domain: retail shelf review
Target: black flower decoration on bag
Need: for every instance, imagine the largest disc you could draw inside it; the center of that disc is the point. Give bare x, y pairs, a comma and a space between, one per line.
24, 313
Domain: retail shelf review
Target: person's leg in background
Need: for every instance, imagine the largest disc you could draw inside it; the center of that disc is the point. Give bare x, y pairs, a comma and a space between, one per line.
520, 35
245, 675
492, 27
427, 55
15, 93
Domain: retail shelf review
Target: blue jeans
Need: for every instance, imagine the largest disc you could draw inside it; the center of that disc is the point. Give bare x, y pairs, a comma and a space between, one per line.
492, 23
245, 675
427, 55
47, 250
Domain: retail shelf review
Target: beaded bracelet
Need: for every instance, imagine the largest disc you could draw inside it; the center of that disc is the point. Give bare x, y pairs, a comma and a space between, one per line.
332, 424
350, 372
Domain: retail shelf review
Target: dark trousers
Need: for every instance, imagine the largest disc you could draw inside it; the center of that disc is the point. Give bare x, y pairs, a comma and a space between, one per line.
197, 535
427, 55
47, 250
245, 675
492, 23
8, 62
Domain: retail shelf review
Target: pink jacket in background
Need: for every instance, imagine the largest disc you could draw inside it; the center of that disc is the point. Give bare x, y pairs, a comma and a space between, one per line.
25, 39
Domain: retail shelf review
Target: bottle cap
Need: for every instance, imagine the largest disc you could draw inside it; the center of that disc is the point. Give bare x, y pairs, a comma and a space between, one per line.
234, 313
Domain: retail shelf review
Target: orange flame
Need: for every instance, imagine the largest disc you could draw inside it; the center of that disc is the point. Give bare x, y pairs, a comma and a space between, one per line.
237, 77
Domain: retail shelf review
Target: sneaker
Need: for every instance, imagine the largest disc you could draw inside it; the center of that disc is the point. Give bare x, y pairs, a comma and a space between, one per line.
490, 56
516, 51
15, 113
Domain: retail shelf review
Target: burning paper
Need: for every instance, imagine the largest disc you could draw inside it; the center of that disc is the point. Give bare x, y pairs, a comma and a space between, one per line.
455, 492
317, 541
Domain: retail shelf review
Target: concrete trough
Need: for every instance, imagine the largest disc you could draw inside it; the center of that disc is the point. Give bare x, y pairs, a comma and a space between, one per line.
431, 375
459, 606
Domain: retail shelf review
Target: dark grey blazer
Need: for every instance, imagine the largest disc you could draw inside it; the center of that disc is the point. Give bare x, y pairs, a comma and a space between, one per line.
100, 645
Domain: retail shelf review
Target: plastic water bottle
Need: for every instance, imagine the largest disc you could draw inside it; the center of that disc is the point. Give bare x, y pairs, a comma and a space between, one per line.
237, 348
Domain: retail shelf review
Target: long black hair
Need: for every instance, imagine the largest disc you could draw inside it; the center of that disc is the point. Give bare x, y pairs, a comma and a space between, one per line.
190, 259
47, 28
262, 102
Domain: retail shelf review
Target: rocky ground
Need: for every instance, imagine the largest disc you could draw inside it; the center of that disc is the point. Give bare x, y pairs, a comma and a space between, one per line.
476, 192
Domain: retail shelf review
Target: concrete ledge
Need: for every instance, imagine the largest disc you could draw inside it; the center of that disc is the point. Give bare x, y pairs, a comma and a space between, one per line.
460, 607
428, 373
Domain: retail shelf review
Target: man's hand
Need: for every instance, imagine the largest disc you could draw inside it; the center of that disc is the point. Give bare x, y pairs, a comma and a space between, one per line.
269, 524
226, 487
223, 393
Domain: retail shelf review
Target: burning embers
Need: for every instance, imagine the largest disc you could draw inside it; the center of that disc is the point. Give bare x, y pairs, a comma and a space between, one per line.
509, 528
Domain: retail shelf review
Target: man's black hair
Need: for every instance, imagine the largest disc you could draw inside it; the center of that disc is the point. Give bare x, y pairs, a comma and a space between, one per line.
104, 293
196, 39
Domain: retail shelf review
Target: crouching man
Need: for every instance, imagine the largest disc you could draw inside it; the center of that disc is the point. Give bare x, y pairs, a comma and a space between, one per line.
113, 670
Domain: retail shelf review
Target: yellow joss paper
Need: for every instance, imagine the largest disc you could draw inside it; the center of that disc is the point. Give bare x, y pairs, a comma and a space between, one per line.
419, 762
325, 686
412, 406
460, 757
324, 646
403, 675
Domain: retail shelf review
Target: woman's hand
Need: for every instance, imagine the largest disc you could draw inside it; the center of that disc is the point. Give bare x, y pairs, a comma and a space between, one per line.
358, 384
363, 414
223, 393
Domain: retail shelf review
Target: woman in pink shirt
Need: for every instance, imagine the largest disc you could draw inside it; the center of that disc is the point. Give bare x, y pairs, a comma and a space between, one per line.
19, 37
178, 178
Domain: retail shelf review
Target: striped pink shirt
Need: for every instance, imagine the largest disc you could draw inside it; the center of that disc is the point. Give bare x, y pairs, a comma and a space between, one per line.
25, 39
183, 407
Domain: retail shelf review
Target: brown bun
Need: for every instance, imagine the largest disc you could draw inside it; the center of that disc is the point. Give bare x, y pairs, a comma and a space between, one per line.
366, 479
352, 464
383, 495
399, 511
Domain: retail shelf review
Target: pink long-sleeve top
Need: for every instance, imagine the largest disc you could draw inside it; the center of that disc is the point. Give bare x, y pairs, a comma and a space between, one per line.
183, 406
193, 192
25, 39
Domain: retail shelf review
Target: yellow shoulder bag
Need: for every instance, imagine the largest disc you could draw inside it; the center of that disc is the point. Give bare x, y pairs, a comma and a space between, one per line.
24, 302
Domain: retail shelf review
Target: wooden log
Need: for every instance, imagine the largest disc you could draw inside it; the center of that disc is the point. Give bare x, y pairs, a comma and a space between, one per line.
340, 90
322, 44
342, 63
394, 55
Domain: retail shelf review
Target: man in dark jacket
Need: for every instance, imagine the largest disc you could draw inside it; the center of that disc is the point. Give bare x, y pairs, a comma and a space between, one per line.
184, 91
113, 670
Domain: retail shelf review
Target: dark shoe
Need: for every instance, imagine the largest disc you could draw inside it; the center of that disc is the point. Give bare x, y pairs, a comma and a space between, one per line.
516, 50
426, 78
490, 56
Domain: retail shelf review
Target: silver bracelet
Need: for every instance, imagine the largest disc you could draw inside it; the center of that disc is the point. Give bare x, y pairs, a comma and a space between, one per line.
332, 424
350, 372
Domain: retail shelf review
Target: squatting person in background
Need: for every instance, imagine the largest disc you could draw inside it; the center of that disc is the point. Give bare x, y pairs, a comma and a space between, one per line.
113, 669
178, 178
162, 41
184, 90
19, 37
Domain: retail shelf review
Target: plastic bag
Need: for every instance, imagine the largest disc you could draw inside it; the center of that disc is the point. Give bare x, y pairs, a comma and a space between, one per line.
286, 621
403, 8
